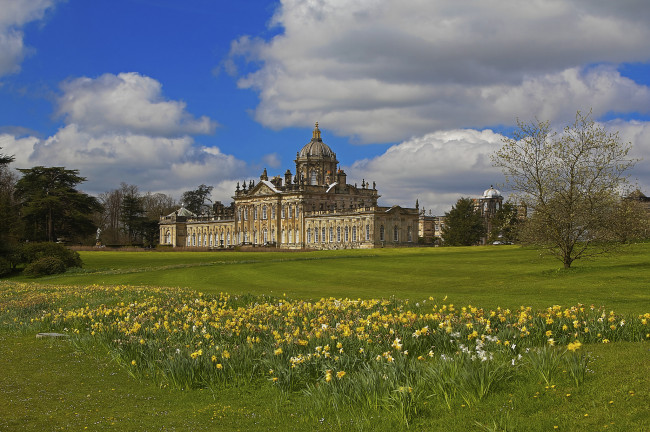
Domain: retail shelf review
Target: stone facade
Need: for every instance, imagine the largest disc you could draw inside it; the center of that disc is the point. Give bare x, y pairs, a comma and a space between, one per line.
313, 209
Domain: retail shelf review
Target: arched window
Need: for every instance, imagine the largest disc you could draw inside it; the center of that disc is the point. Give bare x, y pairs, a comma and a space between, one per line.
395, 234
381, 233
228, 239
367, 232
290, 236
308, 235
409, 234
193, 239
338, 234
211, 240
189, 241
168, 237
315, 235
347, 234
246, 240
322, 235
266, 236
331, 235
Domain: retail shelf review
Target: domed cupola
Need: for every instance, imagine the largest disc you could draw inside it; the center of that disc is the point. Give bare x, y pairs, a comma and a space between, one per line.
316, 162
316, 148
491, 193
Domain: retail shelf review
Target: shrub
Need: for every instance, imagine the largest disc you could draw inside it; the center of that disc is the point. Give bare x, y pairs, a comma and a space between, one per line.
5, 267
35, 251
45, 266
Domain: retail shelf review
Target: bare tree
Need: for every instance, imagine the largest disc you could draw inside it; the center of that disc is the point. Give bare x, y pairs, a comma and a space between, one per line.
572, 184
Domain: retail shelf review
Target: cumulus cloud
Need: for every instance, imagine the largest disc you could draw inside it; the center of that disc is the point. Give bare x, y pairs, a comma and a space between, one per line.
15, 14
120, 128
440, 167
127, 102
437, 168
385, 70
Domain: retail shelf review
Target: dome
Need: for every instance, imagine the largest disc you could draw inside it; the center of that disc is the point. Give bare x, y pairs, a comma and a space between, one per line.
316, 148
491, 193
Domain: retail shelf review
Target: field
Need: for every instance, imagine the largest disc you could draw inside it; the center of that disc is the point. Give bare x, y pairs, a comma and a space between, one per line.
331, 364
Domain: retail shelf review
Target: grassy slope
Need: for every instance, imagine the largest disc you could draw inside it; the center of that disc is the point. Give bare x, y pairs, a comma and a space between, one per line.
483, 276
46, 385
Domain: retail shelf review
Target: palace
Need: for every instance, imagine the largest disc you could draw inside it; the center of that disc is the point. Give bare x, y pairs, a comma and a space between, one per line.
315, 208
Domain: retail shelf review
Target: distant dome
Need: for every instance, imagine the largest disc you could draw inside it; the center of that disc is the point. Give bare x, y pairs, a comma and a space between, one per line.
316, 147
491, 193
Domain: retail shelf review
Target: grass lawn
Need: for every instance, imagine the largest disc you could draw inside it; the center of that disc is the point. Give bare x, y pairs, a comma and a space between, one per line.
48, 385
488, 277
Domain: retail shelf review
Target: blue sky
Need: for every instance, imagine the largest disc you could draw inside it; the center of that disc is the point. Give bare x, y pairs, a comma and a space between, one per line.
414, 95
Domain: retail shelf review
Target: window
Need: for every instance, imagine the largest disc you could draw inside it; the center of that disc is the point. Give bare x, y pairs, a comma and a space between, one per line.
331, 234
264, 212
290, 212
315, 235
322, 236
347, 237
211, 240
266, 236
228, 239
354, 234
308, 235
314, 177
193, 239
189, 241
284, 237
168, 237
297, 236
409, 235
367, 232
381, 233
290, 236
295, 209
255, 213
284, 212
338, 234
254, 237
395, 234
272, 212
245, 214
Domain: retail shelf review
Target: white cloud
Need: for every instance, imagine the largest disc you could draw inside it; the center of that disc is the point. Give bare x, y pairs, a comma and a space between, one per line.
13, 16
120, 128
385, 70
127, 102
440, 167
436, 169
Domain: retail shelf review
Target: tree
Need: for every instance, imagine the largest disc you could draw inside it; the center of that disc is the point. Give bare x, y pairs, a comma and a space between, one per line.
132, 214
505, 224
51, 206
5, 159
194, 200
463, 224
571, 184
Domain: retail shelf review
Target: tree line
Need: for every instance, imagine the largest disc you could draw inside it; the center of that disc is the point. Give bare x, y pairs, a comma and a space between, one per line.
44, 204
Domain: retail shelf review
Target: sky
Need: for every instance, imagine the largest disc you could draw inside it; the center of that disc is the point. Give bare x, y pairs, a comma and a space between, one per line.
415, 95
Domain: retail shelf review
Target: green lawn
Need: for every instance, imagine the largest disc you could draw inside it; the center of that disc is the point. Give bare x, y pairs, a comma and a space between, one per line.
48, 385
488, 277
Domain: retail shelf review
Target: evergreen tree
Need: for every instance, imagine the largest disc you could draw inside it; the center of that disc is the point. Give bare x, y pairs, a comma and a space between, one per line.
51, 206
463, 225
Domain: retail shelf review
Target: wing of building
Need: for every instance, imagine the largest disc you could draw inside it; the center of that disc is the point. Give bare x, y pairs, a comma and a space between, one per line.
315, 208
